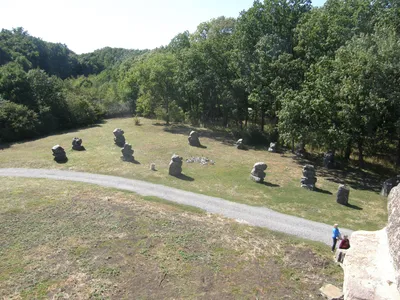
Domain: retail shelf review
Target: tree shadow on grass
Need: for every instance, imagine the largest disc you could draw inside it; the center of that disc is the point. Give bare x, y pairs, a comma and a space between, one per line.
370, 178
270, 184
201, 146
184, 177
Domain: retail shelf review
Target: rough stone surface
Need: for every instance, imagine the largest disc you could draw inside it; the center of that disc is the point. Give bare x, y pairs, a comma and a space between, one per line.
368, 268
175, 165
272, 147
331, 292
240, 145
393, 230
308, 181
119, 138
59, 153
194, 139
257, 173
329, 160
127, 152
342, 196
389, 184
77, 144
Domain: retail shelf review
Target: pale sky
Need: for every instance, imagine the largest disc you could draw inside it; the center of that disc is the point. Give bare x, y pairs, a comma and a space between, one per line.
87, 25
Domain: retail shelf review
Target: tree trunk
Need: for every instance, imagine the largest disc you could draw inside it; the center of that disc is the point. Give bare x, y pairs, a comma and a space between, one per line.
347, 152
398, 153
262, 120
360, 154
292, 145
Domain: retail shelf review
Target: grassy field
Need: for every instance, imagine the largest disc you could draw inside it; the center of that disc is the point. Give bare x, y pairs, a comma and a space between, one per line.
64, 240
228, 178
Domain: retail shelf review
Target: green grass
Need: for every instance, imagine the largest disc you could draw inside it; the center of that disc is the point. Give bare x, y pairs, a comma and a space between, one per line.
228, 178
88, 242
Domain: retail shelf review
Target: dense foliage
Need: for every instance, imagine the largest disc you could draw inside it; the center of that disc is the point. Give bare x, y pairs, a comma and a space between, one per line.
327, 77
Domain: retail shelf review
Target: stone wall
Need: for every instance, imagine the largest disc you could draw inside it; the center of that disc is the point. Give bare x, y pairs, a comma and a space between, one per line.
393, 230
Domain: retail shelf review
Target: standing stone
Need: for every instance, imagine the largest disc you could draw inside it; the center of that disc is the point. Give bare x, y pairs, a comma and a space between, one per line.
343, 195
272, 147
329, 160
194, 139
240, 145
308, 181
59, 154
389, 184
175, 165
257, 173
119, 138
77, 144
127, 152
300, 150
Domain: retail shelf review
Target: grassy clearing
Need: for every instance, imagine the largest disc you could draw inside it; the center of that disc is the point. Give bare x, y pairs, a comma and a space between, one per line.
65, 240
228, 178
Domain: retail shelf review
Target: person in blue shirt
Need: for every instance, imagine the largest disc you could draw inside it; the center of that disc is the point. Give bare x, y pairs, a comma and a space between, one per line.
335, 236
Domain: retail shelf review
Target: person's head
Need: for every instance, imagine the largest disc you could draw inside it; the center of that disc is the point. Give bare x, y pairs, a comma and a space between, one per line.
345, 237
335, 225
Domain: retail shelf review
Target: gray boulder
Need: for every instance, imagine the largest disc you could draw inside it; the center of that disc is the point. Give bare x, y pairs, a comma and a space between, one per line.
342, 196
329, 160
272, 147
389, 184
194, 139
77, 144
119, 138
127, 152
59, 154
257, 173
175, 165
308, 180
240, 145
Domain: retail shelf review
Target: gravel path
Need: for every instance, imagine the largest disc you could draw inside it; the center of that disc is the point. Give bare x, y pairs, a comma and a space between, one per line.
252, 215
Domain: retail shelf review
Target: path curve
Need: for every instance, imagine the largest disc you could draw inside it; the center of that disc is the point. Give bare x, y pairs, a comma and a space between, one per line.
252, 215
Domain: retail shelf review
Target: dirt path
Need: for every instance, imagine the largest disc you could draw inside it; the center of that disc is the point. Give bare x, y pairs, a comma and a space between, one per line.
252, 215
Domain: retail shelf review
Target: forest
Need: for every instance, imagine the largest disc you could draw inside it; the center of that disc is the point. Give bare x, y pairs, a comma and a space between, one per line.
327, 77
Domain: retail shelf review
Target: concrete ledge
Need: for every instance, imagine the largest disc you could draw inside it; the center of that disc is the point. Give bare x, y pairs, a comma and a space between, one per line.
368, 268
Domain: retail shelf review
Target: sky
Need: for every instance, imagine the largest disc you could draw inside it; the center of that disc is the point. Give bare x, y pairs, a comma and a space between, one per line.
87, 25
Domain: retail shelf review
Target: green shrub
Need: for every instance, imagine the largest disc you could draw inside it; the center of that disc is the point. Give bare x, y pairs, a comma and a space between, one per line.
136, 120
252, 135
17, 122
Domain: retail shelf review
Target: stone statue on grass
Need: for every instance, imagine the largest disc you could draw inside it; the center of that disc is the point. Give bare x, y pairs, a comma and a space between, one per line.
175, 165
119, 138
59, 154
194, 139
77, 144
257, 173
240, 145
308, 181
127, 152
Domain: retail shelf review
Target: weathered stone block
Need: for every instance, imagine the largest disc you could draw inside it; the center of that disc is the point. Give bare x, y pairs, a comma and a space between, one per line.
257, 173
343, 195
175, 165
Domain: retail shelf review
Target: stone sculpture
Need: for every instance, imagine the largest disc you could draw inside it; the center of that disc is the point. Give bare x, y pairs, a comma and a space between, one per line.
329, 160
389, 184
300, 150
257, 173
175, 165
240, 145
59, 154
342, 196
127, 152
372, 264
77, 144
308, 181
119, 138
194, 139
272, 147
